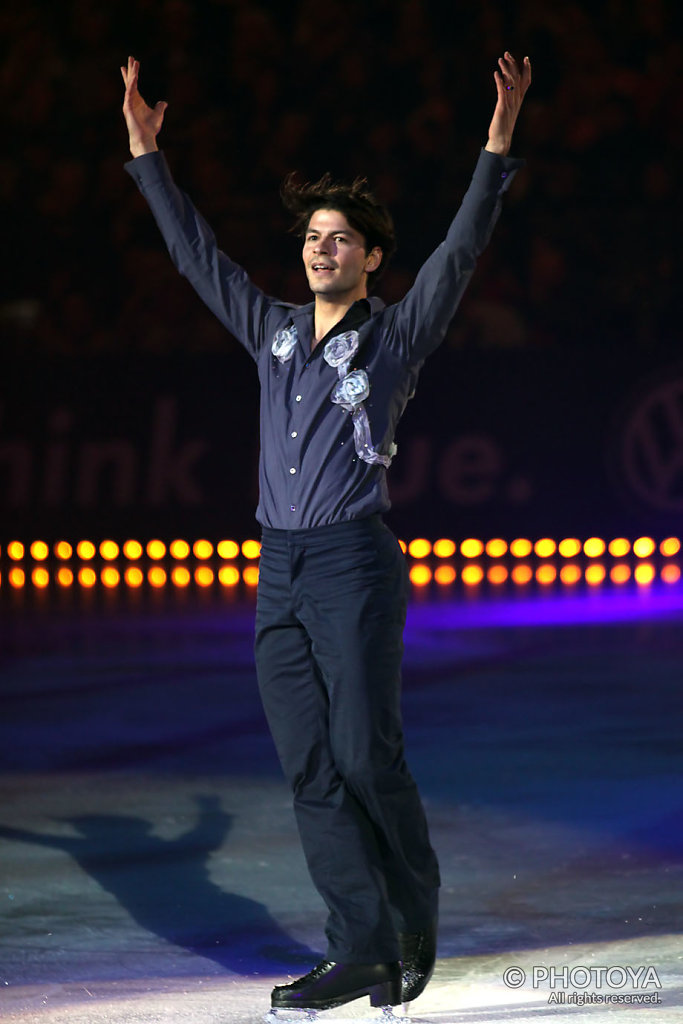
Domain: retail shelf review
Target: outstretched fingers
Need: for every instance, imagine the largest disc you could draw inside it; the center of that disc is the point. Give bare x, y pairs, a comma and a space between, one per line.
510, 78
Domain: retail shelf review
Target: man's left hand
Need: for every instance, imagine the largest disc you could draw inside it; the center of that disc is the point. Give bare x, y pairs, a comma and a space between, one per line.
511, 84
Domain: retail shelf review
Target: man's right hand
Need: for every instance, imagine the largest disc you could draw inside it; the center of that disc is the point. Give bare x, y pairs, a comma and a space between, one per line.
144, 124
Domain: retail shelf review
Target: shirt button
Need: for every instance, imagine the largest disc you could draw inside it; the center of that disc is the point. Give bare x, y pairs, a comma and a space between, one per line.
292, 471
292, 508
298, 398
294, 433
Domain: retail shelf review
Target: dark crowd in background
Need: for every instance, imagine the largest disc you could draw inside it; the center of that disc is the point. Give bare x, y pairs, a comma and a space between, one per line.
398, 90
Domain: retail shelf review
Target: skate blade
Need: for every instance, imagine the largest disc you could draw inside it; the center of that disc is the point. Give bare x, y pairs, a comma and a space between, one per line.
382, 1015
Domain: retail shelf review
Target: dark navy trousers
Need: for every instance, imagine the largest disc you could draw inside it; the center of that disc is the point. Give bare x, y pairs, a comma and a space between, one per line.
329, 642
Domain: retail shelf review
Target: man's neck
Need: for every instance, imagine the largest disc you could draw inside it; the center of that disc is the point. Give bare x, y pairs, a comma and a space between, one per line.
327, 315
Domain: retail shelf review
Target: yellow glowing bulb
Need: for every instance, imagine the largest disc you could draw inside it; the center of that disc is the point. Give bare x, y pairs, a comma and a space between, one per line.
109, 550
202, 549
522, 574
619, 547
419, 548
180, 576
15, 550
570, 573
620, 573
204, 576
251, 549
671, 573
157, 576
156, 550
85, 550
521, 547
133, 576
40, 578
472, 575
546, 574
594, 547
545, 548
250, 575
63, 550
110, 577
497, 574
87, 577
644, 573
17, 577
403, 546
228, 549
39, 550
420, 575
228, 575
179, 549
569, 547
471, 548
65, 577
444, 548
496, 548
444, 574
595, 574
132, 549
670, 547
643, 547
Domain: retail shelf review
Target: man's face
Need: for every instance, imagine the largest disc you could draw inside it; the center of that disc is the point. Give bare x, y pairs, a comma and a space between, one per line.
335, 258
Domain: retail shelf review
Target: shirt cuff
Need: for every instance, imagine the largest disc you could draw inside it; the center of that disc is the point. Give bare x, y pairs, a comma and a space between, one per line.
148, 170
497, 171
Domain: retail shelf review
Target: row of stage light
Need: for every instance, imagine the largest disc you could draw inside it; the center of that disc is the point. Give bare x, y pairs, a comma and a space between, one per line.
228, 563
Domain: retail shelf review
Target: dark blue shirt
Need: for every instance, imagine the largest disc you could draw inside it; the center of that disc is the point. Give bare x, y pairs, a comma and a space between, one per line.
309, 470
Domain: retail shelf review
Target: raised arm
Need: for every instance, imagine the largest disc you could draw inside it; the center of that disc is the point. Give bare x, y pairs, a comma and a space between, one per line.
143, 122
511, 85
421, 319
222, 284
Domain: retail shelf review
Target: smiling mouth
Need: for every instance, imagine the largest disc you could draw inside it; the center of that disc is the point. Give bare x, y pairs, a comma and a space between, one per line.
319, 268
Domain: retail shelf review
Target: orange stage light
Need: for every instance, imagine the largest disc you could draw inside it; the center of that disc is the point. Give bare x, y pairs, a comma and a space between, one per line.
472, 575
420, 575
156, 550
202, 549
204, 576
497, 574
179, 549
569, 547
228, 575
132, 549
496, 548
595, 574
594, 547
471, 548
522, 574
444, 574
228, 549
251, 549
419, 548
521, 548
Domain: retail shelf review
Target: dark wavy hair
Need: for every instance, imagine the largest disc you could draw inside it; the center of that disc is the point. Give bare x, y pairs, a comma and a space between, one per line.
363, 212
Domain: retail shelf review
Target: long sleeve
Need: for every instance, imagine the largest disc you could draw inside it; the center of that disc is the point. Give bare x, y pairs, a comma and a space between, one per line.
418, 323
223, 285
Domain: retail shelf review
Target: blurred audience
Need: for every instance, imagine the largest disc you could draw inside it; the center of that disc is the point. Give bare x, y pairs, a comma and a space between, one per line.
402, 93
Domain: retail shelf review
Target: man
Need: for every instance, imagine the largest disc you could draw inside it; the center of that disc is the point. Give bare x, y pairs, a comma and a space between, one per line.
335, 378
